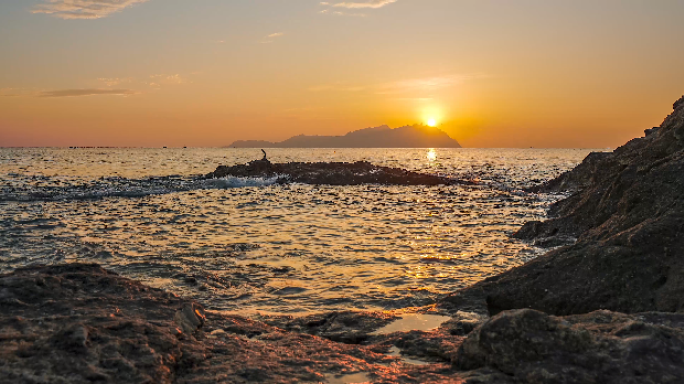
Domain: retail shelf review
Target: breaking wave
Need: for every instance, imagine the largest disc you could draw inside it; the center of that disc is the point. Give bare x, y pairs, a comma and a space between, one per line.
48, 189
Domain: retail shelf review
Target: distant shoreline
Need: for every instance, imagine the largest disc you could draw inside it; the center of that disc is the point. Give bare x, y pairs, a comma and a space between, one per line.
410, 136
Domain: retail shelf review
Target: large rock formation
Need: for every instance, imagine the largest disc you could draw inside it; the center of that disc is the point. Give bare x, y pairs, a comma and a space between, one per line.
627, 214
360, 172
83, 324
628, 217
410, 136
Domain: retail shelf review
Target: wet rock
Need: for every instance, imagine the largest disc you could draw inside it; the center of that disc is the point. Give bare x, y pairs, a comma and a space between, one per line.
532, 347
334, 173
628, 217
462, 323
190, 318
579, 178
344, 327
81, 324
436, 346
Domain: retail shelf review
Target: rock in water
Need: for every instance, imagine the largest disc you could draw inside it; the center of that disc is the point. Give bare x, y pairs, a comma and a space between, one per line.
628, 215
360, 172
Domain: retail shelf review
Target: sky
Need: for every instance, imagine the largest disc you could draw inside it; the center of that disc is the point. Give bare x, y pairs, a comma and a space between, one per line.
201, 73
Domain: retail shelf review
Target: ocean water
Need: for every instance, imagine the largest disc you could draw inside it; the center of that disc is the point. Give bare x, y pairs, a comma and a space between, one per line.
250, 246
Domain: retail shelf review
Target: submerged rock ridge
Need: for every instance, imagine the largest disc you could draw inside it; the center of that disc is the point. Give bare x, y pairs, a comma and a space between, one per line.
334, 173
627, 213
410, 136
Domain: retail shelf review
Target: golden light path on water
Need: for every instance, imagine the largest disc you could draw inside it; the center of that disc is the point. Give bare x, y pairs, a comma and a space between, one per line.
432, 155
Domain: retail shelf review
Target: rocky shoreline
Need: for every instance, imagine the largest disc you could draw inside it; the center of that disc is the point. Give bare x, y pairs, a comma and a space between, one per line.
606, 308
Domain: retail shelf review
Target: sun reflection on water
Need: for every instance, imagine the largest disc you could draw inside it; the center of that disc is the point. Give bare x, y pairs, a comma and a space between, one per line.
432, 155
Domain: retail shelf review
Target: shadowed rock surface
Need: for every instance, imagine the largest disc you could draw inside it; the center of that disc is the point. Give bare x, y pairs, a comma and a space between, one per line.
628, 216
528, 346
83, 324
360, 172
344, 327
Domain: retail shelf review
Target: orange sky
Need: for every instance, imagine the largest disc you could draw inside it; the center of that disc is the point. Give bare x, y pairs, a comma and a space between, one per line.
494, 73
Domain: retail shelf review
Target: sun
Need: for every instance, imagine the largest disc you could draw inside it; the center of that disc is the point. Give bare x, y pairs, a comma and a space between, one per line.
432, 122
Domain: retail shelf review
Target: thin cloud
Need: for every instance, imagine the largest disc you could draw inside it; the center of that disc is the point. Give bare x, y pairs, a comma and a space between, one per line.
83, 9
112, 81
18, 92
416, 88
337, 87
374, 4
338, 13
270, 38
10, 92
87, 92
167, 79
426, 84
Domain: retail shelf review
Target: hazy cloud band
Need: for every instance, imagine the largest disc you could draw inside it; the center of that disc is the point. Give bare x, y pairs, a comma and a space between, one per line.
83, 9
365, 4
86, 92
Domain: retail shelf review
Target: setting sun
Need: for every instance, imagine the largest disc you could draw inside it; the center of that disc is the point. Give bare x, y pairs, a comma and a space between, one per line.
432, 122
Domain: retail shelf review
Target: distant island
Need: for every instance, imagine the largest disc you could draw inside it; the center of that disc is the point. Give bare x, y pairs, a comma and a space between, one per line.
410, 136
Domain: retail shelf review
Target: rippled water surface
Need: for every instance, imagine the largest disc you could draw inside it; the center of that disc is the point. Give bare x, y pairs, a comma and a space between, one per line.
248, 245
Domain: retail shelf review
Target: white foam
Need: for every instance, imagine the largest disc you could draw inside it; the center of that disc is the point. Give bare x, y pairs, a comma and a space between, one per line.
240, 182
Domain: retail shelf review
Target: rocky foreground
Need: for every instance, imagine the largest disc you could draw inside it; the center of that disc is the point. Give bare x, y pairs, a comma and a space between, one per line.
83, 324
335, 173
607, 308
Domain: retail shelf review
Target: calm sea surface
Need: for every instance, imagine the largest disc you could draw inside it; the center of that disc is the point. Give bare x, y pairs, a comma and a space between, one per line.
248, 245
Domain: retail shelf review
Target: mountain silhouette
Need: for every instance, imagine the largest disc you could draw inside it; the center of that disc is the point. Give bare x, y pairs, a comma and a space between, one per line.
410, 136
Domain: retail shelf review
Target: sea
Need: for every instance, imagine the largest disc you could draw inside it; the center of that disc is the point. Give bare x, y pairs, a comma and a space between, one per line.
250, 246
